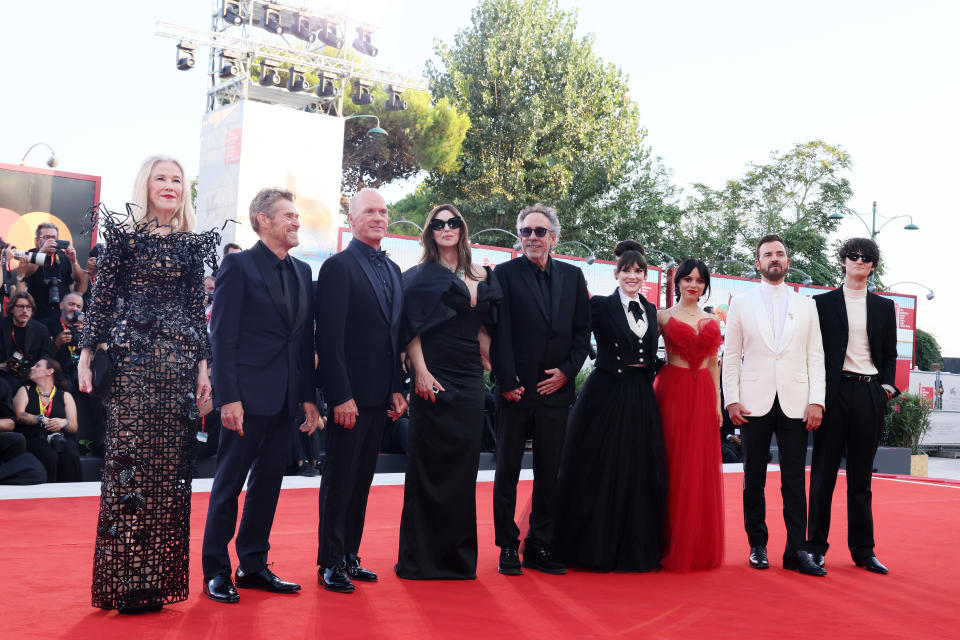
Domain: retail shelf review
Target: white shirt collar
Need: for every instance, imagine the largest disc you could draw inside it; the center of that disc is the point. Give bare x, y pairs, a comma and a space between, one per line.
770, 289
625, 300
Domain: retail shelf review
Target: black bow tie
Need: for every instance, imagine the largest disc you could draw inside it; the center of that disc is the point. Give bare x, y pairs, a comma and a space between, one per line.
377, 256
634, 308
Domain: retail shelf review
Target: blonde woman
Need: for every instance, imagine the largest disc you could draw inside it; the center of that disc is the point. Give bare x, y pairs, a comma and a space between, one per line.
147, 307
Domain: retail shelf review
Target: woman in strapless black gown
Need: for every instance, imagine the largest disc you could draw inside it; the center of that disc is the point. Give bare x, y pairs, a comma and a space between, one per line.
448, 301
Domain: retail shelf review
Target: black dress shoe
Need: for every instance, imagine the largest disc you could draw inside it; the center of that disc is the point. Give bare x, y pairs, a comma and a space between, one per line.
334, 579
352, 566
800, 561
220, 588
818, 559
758, 558
539, 558
266, 580
872, 564
509, 562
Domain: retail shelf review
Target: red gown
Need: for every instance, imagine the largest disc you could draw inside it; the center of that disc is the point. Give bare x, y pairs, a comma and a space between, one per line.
688, 410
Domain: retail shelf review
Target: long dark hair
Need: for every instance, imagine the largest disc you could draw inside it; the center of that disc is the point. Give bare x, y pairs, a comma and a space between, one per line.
431, 252
59, 380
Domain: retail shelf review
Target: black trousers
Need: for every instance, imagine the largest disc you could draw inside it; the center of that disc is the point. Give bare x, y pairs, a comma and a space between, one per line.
851, 428
263, 450
792, 443
547, 426
348, 468
60, 467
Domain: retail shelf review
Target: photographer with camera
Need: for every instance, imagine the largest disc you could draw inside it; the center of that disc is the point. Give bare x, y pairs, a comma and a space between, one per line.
49, 270
23, 340
47, 418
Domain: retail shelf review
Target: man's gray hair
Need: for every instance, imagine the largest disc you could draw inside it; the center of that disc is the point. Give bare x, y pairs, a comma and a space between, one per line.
263, 203
541, 208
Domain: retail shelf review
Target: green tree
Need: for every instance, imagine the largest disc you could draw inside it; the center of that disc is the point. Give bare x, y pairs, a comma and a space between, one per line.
413, 207
791, 195
928, 351
551, 121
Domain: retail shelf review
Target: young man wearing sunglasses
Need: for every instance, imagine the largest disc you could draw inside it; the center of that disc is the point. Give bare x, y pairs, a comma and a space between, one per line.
543, 337
859, 331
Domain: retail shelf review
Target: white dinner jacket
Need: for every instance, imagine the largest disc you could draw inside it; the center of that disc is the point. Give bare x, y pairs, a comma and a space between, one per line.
793, 372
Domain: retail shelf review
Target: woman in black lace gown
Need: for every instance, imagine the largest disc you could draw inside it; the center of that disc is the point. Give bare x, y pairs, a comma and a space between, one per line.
447, 301
147, 308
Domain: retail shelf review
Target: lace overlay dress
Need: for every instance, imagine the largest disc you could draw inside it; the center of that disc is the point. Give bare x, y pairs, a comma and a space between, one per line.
147, 306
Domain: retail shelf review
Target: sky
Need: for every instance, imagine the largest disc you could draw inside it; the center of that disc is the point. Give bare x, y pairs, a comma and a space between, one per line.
719, 84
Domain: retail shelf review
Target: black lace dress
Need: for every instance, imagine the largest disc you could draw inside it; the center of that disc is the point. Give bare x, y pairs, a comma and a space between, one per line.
147, 306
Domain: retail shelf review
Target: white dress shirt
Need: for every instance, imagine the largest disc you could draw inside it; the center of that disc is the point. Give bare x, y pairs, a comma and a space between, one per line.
638, 327
775, 302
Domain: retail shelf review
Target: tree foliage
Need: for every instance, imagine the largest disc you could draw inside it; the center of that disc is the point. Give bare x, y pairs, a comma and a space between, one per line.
928, 351
551, 121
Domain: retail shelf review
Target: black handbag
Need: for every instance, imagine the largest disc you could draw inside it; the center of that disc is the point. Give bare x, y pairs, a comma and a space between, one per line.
103, 371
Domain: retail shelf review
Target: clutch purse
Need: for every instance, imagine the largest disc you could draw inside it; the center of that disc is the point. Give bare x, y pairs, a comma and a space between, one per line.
103, 371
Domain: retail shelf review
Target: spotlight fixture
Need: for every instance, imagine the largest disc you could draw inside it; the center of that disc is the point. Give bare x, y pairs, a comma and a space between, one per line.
185, 56
295, 79
269, 74
232, 13
327, 88
394, 102
313, 107
330, 34
229, 65
361, 93
362, 42
266, 15
303, 26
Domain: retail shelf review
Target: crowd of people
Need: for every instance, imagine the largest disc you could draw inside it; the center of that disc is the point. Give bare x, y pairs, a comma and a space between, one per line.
629, 479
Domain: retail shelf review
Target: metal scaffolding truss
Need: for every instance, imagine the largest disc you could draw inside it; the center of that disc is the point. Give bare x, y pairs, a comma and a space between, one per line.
246, 51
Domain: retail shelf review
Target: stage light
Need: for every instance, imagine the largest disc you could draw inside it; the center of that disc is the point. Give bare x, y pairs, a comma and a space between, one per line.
313, 107
269, 74
303, 26
229, 66
361, 93
327, 87
266, 15
362, 42
232, 13
394, 102
185, 56
295, 79
329, 33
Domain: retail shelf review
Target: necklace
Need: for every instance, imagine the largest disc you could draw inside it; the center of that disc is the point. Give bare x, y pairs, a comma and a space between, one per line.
460, 273
41, 393
689, 313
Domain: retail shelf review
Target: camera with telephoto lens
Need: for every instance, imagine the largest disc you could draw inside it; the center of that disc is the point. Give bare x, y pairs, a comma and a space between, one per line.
72, 320
57, 441
34, 257
20, 365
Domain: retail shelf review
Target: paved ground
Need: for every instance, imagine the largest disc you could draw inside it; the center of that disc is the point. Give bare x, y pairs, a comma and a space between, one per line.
947, 468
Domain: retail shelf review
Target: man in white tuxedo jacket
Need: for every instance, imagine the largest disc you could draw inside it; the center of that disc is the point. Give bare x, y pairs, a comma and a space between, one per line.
773, 382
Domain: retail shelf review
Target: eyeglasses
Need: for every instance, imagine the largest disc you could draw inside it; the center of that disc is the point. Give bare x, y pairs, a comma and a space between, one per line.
455, 222
526, 232
22, 306
854, 257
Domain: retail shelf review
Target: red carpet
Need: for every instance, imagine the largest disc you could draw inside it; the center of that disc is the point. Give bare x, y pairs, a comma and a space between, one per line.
47, 557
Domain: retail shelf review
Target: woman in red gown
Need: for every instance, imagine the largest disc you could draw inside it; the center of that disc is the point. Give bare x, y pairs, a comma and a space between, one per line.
688, 392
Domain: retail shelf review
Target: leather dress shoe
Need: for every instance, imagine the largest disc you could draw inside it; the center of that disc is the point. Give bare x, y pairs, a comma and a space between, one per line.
509, 562
758, 558
352, 566
334, 579
220, 588
872, 564
266, 580
800, 561
540, 558
818, 559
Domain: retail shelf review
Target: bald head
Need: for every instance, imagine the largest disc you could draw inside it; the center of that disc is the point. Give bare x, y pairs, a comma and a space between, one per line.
368, 217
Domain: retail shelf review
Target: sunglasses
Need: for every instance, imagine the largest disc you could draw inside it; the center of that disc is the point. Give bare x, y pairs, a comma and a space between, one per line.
455, 222
526, 232
854, 257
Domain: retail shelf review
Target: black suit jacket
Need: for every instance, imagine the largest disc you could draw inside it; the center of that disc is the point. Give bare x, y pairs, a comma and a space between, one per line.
617, 344
881, 334
36, 340
527, 343
357, 335
261, 356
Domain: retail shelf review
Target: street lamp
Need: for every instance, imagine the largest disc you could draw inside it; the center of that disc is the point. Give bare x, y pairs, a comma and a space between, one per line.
671, 263
410, 222
516, 246
929, 295
376, 130
590, 258
807, 279
51, 161
873, 229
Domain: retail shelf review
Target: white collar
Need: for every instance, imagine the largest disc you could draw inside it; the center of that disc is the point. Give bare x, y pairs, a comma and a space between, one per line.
772, 289
625, 300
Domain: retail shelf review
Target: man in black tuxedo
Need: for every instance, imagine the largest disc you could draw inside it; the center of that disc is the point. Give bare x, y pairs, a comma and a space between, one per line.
859, 331
23, 340
542, 339
357, 344
262, 339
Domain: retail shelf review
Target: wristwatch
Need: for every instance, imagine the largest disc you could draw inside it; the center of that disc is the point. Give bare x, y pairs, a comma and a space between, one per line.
42, 421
